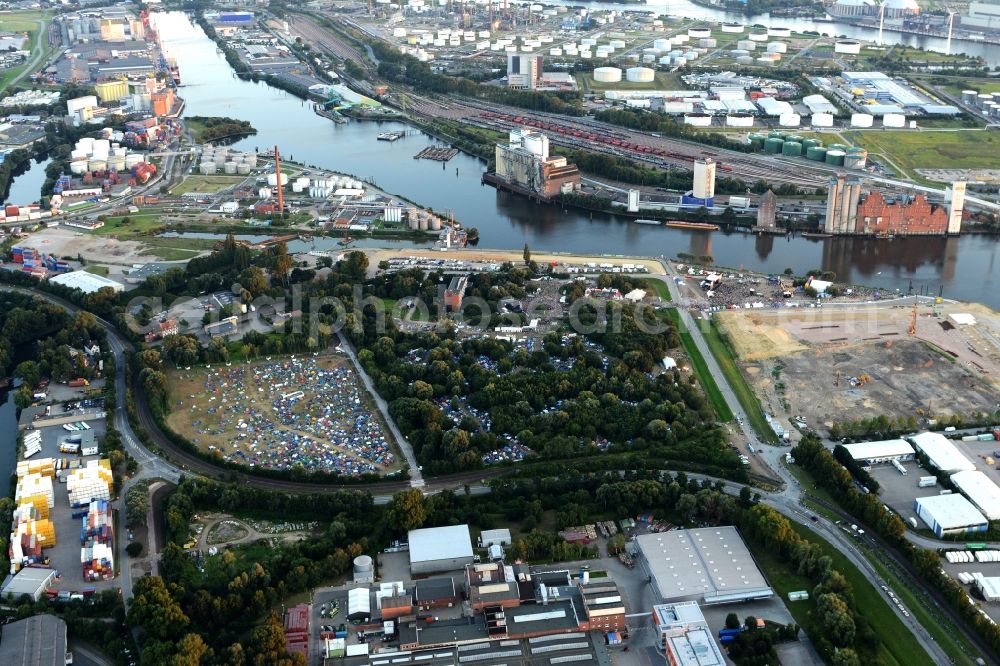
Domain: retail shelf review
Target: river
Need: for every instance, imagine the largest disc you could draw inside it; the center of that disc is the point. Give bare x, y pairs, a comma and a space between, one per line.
27, 187
8, 440
959, 267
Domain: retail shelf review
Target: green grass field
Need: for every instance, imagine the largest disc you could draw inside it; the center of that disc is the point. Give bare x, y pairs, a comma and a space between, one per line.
932, 150
137, 224
207, 184
28, 22
658, 287
724, 357
97, 270
898, 644
701, 371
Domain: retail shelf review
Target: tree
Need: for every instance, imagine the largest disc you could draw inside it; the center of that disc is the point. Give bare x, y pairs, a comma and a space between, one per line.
836, 618
407, 511
190, 651
732, 621
134, 549
156, 611
526, 254
253, 280
29, 372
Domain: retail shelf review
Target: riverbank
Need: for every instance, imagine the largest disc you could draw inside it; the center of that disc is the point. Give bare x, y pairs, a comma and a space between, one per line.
652, 266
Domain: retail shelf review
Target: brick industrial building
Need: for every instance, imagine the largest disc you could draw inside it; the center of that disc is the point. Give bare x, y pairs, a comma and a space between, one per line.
850, 212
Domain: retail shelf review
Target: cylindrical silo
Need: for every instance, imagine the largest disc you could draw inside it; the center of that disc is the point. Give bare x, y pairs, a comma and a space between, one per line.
835, 157
791, 149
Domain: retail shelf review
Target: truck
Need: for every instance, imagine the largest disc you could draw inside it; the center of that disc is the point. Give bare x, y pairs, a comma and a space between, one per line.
927, 481
77, 383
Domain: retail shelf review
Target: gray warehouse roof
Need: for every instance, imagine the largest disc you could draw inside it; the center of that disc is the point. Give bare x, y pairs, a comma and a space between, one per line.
27, 581
440, 543
711, 563
36, 641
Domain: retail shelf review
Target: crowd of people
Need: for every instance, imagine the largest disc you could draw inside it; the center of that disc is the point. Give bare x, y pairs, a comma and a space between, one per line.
292, 413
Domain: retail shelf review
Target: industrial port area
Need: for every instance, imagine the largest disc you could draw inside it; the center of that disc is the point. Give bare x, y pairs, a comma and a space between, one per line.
473, 332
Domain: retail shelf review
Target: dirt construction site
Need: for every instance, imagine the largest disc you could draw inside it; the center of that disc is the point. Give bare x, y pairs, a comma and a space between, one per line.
834, 364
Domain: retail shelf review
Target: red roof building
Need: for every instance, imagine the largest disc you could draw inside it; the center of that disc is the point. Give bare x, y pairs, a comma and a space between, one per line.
297, 629
916, 216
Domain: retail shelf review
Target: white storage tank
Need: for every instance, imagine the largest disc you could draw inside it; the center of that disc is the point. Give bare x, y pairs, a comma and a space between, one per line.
789, 120
746, 45
97, 165
272, 179
699, 33
893, 120
848, 46
664, 60
116, 163
229, 168
207, 168
555, 52
822, 120
862, 120
78, 167
640, 74
297, 187
698, 119
607, 74
132, 159
779, 32
662, 44
649, 59
744, 60
363, 565
777, 47
618, 44
243, 169
758, 36
588, 41
734, 28
738, 53
652, 52
679, 39
690, 55
708, 42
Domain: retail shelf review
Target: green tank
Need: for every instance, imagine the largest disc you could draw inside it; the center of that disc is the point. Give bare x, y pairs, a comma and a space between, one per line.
773, 145
794, 137
756, 141
791, 149
816, 153
835, 157
809, 143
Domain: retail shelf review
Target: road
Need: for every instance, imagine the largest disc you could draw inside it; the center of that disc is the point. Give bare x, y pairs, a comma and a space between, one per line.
416, 478
37, 53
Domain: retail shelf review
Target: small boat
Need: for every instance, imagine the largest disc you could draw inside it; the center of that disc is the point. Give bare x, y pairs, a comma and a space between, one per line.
700, 226
641, 221
345, 241
813, 234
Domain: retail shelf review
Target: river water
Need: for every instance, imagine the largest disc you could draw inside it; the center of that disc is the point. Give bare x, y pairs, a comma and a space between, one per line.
960, 267
27, 187
8, 440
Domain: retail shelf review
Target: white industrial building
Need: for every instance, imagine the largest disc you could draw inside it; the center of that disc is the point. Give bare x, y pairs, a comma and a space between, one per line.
31, 581
710, 565
437, 549
684, 635
359, 604
86, 282
941, 453
499, 537
989, 586
979, 490
873, 453
950, 514
773, 107
819, 104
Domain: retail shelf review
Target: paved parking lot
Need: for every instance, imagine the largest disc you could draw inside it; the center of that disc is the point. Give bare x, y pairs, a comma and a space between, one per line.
899, 492
65, 555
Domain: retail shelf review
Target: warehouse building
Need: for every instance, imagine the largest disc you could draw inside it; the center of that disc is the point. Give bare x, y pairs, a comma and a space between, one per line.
684, 635
989, 586
981, 491
35, 641
31, 581
86, 282
711, 565
874, 453
435, 593
941, 453
436, 549
950, 514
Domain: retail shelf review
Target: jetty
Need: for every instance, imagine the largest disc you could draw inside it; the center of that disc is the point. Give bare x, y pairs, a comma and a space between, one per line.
436, 153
